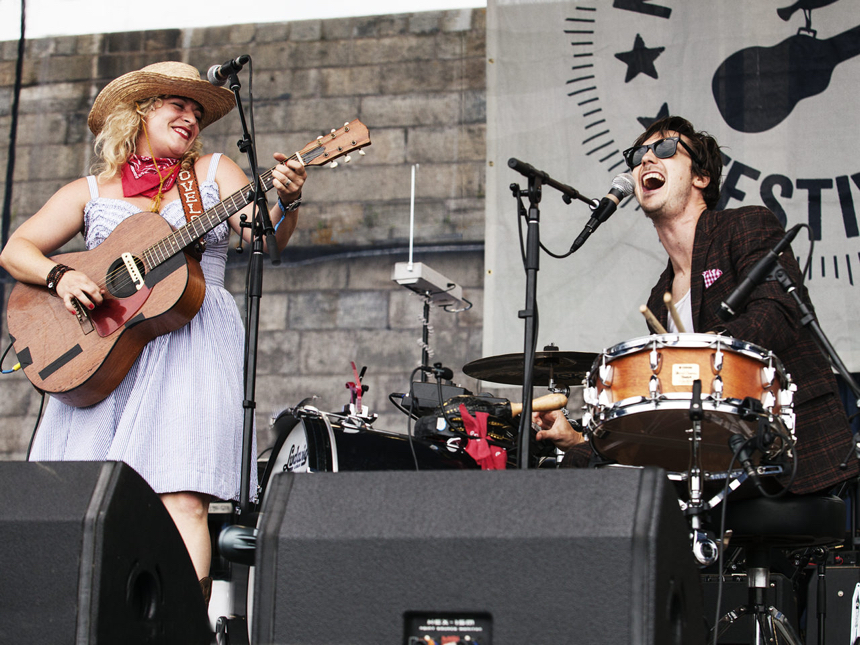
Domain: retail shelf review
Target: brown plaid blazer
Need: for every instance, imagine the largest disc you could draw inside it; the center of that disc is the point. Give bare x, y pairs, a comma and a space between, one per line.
732, 241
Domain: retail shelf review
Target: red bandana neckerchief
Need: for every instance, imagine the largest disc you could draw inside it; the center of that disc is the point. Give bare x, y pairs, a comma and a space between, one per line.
140, 177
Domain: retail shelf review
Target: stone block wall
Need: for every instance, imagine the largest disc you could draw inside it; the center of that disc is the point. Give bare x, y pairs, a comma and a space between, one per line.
416, 80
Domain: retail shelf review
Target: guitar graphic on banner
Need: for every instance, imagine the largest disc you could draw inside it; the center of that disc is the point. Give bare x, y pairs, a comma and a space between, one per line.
756, 88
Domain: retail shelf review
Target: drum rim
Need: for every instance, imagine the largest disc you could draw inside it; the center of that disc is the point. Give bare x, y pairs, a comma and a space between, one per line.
687, 341
635, 405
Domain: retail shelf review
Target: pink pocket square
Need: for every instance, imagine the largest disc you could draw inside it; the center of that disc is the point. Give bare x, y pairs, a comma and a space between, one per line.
711, 276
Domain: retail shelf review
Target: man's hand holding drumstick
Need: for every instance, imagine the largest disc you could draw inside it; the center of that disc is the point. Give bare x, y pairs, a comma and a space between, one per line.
555, 427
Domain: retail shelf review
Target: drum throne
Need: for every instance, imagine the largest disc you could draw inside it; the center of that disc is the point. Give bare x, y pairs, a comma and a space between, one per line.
766, 526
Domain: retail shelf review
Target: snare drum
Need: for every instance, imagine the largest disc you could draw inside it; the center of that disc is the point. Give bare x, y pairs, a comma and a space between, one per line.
638, 397
313, 441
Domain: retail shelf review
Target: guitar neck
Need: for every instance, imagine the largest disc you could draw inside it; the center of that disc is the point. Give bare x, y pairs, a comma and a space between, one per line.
845, 45
199, 226
352, 136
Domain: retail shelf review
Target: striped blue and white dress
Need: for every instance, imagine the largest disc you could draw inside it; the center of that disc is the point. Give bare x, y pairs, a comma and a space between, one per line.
177, 416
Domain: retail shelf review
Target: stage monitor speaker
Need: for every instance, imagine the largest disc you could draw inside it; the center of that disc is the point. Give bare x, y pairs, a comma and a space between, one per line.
485, 558
89, 555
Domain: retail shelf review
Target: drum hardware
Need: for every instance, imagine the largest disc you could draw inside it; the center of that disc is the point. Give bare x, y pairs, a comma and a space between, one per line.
705, 547
355, 410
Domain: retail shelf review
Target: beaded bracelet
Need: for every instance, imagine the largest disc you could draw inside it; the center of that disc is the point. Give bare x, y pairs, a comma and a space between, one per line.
54, 276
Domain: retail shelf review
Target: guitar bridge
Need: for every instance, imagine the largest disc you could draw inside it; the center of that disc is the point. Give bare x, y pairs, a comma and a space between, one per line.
83, 317
133, 271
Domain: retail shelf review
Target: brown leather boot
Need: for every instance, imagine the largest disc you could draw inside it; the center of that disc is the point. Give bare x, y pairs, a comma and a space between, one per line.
206, 588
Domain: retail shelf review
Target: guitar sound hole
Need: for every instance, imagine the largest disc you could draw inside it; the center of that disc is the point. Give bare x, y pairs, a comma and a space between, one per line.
118, 280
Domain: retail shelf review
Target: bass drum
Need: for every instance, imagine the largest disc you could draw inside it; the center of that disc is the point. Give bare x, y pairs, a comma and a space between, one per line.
313, 441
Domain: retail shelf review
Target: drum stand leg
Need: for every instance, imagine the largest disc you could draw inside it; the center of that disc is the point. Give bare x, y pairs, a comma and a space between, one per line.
705, 549
770, 626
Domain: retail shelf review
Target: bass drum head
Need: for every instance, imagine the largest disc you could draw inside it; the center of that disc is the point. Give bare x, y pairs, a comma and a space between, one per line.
320, 442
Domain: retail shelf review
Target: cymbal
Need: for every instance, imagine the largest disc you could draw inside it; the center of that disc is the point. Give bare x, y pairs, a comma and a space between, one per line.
563, 368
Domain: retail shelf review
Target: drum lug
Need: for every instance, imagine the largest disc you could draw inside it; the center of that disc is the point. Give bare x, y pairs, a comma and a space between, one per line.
786, 407
655, 359
654, 389
605, 374
768, 374
768, 400
717, 360
717, 387
603, 399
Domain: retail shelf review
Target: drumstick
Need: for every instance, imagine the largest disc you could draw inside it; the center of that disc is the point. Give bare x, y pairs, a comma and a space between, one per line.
652, 320
667, 298
542, 404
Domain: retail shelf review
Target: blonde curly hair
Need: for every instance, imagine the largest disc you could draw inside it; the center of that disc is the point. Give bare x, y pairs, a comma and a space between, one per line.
117, 140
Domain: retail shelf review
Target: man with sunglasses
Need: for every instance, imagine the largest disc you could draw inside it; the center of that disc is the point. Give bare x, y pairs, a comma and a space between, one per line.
676, 174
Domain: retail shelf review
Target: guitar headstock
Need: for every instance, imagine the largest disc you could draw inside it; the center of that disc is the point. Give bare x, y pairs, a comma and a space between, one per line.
336, 144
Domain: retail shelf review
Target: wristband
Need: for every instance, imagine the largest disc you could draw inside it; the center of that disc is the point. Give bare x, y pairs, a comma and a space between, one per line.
289, 208
54, 276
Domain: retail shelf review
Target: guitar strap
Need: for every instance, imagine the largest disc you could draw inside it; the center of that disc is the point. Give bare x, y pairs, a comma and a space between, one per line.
192, 204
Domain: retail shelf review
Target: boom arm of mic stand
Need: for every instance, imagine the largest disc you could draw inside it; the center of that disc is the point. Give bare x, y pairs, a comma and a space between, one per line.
568, 193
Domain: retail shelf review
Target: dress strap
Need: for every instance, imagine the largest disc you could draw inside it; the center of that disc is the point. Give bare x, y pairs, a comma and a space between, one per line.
213, 167
94, 186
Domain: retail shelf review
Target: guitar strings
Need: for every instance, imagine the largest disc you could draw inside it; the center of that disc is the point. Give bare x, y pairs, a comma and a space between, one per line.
120, 278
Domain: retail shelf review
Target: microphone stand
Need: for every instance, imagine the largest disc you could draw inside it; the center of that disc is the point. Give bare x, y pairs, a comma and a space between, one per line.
809, 321
260, 226
529, 314
532, 264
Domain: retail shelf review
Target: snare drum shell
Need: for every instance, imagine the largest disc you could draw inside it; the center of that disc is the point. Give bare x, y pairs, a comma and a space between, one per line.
680, 362
641, 392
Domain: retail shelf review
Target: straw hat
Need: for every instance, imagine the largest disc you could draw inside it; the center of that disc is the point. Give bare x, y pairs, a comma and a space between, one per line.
169, 78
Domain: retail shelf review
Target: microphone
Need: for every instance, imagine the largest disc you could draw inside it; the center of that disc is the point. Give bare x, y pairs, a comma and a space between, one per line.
220, 74
731, 305
622, 186
738, 445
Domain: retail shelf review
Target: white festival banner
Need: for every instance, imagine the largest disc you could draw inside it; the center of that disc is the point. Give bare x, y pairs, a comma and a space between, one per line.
572, 84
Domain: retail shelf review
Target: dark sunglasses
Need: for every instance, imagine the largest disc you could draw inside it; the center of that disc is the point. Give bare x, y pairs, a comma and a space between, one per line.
663, 149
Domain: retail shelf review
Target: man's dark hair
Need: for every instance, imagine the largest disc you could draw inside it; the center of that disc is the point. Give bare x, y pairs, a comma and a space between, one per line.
704, 145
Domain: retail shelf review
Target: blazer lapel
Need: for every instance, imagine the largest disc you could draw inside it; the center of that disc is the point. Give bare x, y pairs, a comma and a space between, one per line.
701, 250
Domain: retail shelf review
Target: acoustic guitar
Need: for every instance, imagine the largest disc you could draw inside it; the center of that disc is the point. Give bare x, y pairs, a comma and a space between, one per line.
153, 286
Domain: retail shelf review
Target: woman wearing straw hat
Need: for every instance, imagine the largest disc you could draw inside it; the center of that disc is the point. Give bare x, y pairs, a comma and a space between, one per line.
177, 416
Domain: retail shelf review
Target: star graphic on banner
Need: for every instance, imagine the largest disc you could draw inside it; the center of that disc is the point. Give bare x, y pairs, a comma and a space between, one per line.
640, 59
646, 121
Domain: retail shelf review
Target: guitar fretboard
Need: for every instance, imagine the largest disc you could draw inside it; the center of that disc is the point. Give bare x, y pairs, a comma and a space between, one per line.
198, 227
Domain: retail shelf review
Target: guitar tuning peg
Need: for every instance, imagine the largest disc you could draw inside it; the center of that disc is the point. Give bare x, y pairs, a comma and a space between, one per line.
347, 159
333, 164
361, 152
319, 138
346, 127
